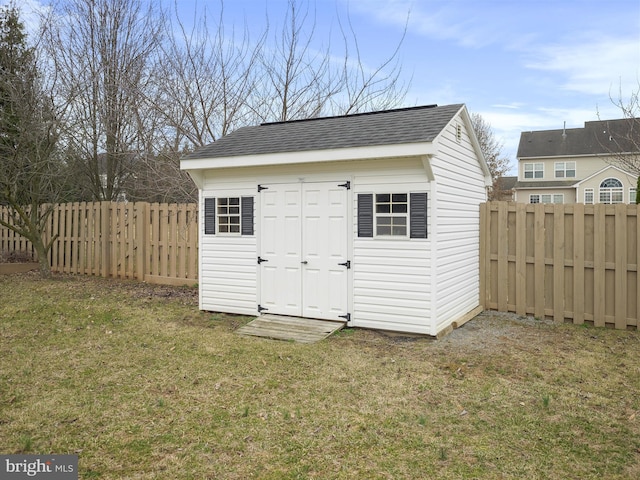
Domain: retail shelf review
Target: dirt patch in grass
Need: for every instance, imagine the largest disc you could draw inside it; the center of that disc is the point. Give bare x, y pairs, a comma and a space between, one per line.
140, 384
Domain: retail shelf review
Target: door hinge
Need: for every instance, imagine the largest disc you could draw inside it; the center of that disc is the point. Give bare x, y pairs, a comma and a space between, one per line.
346, 264
347, 317
260, 188
260, 260
261, 309
346, 185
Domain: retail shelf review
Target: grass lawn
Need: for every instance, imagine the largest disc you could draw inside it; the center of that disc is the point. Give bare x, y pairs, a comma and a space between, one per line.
141, 385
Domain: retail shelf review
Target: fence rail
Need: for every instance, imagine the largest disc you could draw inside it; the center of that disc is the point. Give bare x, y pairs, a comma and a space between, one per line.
576, 263
152, 242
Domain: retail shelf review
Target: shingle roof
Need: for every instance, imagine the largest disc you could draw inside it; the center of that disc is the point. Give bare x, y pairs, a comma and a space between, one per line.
546, 184
599, 137
387, 127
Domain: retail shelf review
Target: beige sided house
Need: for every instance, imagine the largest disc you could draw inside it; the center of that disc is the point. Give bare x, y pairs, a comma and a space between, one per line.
371, 219
575, 165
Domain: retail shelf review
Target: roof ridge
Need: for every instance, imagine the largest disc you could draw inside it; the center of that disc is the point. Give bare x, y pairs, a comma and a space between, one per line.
402, 109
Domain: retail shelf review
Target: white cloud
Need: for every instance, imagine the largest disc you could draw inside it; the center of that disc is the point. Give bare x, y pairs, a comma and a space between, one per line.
595, 66
464, 23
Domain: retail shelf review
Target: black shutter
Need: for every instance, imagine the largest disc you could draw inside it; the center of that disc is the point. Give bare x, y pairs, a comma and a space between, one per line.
209, 216
365, 215
418, 212
247, 215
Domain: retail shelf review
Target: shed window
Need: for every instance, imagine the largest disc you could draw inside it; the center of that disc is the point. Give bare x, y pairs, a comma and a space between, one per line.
228, 215
392, 215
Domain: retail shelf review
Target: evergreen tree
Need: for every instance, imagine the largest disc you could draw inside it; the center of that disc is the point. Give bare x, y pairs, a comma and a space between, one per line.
28, 133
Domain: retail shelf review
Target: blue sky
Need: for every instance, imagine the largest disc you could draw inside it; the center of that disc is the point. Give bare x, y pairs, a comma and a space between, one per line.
522, 64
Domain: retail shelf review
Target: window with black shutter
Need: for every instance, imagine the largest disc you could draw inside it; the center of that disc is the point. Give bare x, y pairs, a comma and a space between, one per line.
228, 215
392, 215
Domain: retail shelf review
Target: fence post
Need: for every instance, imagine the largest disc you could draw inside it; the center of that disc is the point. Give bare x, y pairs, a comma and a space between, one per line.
142, 239
105, 237
484, 234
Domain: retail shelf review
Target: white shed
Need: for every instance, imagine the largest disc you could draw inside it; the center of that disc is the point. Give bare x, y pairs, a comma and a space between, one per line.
371, 218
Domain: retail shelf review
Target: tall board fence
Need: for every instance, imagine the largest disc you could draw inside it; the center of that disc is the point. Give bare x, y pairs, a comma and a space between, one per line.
151, 242
576, 263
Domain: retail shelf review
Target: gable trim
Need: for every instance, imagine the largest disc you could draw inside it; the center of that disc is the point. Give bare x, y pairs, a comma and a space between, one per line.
612, 167
312, 156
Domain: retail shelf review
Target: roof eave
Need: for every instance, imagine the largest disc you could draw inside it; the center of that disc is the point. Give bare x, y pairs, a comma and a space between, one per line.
311, 156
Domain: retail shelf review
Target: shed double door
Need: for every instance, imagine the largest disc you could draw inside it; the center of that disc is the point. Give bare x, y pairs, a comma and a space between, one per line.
303, 249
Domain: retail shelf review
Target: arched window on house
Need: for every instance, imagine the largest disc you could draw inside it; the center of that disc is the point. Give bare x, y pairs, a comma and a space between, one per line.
611, 191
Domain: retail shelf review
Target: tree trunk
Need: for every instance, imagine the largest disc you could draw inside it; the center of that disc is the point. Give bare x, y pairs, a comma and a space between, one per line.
43, 257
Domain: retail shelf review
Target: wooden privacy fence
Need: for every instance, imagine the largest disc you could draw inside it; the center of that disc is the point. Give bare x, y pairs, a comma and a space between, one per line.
576, 263
145, 241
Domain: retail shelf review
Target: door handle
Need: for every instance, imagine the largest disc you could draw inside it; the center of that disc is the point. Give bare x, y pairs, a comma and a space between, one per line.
304, 262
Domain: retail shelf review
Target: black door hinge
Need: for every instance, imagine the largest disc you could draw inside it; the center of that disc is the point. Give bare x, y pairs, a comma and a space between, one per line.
347, 317
346, 264
260, 188
260, 260
261, 309
346, 185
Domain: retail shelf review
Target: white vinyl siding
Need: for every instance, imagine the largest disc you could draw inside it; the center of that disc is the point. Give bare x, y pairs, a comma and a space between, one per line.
459, 190
392, 276
228, 273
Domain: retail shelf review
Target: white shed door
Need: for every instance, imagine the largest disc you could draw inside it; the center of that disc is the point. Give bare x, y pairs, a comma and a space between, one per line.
304, 250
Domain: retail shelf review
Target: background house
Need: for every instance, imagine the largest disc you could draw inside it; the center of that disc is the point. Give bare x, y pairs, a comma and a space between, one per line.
371, 218
578, 165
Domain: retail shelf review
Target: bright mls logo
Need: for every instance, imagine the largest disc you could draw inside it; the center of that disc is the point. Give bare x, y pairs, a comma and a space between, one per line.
49, 467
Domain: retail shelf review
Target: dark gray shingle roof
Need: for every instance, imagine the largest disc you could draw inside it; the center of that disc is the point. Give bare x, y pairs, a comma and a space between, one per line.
387, 127
602, 136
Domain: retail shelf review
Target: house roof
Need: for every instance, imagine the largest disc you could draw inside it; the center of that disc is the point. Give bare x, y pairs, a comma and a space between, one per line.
598, 137
546, 184
507, 183
388, 127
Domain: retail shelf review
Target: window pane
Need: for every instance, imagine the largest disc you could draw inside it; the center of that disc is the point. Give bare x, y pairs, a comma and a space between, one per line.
399, 208
234, 201
558, 199
383, 197
234, 210
538, 174
399, 197
401, 230
534, 198
223, 229
399, 220
383, 230
571, 173
383, 208
384, 220
234, 228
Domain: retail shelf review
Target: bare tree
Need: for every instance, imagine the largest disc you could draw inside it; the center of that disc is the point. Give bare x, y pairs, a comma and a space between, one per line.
32, 174
624, 139
492, 151
103, 51
301, 80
